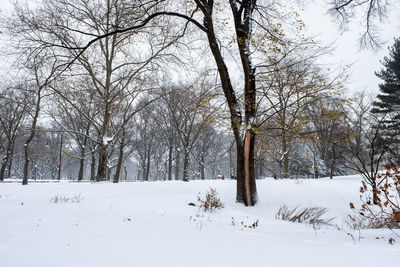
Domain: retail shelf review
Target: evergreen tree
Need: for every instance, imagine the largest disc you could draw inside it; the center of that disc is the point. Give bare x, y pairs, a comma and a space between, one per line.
388, 102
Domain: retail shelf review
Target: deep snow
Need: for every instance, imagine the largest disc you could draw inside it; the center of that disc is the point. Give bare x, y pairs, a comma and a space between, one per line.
151, 224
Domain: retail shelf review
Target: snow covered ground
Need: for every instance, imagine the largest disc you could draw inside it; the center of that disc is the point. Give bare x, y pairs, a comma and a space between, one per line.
151, 224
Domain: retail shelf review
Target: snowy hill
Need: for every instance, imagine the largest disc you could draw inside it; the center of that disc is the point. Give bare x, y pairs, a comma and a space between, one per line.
151, 224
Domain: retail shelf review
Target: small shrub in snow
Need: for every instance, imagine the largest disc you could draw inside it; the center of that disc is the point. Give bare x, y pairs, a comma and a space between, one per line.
211, 202
59, 199
313, 215
381, 207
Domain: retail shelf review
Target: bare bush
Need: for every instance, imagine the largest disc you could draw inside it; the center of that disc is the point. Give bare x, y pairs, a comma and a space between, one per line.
312, 215
59, 199
381, 207
211, 202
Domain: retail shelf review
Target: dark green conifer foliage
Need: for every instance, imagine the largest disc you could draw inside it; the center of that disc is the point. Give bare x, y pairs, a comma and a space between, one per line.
388, 100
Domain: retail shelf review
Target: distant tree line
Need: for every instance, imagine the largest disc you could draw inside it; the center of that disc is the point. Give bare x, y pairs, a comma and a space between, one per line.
110, 90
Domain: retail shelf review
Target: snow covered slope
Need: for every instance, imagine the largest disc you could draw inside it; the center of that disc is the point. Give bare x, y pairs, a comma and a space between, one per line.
151, 224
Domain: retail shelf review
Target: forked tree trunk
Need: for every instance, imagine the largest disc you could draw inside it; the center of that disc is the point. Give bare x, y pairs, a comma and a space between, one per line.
246, 185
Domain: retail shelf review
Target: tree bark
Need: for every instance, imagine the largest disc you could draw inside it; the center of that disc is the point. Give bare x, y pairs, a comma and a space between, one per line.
186, 165
202, 177
285, 157
333, 161
177, 163
242, 185
10, 162
5, 160
93, 167
120, 159
146, 172
102, 165
170, 162
30, 137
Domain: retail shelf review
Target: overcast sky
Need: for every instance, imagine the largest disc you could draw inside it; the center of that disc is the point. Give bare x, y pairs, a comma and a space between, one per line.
365, 62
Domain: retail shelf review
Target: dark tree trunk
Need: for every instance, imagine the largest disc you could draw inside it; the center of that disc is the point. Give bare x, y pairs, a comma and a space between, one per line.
82, 158
285, 157
26, 165
246, 186
146, 172
93, 167
333, 161
186, 165
3, 169
170, 162
10, 161
125, 173
120, 159
202, 167
103, 150
30, 137
81, 164
5, 160
102, 165
177, 163
108, 170
375, 197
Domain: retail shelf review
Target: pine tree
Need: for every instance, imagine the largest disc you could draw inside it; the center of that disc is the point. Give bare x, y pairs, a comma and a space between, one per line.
388, 102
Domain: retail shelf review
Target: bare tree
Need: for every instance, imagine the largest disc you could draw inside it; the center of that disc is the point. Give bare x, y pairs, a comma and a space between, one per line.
13, 111
77, 119
370, 11
366, 145
41, 70
327, 118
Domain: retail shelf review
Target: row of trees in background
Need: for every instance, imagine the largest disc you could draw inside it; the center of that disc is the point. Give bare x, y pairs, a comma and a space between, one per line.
178, 136
95, 91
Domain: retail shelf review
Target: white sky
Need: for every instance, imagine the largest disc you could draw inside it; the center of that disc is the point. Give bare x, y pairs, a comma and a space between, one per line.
347, 49
365, 62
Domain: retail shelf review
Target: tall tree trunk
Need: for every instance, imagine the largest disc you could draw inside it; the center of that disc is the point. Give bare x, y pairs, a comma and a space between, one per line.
26, 164
10, 161
246, 186
375, 198
285, 157
333, 161
202, 167
170, 162
102, 165
120, 159
81, 164
186, 165
177, 163
147, 169
93, 167
82, 158
30, 137
103, 150
108, 171
6, 158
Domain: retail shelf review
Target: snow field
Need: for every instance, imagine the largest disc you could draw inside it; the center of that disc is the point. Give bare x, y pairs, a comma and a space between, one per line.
151, 224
